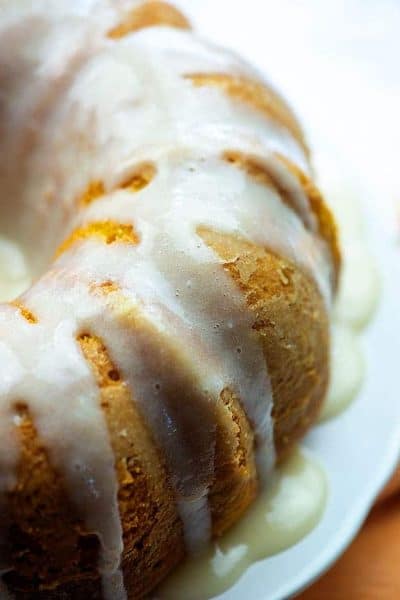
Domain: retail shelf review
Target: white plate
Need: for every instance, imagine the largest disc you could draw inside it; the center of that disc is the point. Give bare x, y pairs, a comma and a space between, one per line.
360, 448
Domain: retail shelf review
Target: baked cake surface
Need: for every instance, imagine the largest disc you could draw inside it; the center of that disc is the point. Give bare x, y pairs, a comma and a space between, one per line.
175, 343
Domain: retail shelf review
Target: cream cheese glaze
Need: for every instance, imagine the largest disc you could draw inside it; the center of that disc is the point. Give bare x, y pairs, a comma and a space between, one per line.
71, 99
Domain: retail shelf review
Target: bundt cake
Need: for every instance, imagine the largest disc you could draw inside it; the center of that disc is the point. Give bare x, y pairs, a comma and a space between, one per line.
175, 341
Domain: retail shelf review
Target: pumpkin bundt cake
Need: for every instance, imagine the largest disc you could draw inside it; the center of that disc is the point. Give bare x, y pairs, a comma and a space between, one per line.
175, 342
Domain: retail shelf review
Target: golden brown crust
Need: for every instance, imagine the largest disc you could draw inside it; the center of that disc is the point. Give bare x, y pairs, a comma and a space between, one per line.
142, 175
93, 191
109, 232
255, 94
291, 319
150, 14
235, 477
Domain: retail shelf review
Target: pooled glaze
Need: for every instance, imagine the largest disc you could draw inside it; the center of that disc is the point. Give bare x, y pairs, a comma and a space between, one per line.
280, 517
14, 273
347, 370
93, 109
360, 287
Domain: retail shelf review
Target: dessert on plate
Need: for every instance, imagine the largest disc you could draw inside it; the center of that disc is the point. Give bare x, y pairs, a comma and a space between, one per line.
174, 344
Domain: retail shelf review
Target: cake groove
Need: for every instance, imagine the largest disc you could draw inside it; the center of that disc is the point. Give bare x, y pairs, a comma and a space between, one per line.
141, 177
258, 170
149, 14
254, 94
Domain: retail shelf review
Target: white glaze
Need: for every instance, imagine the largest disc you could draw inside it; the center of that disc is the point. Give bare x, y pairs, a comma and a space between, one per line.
77, 107
347, 370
